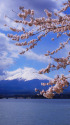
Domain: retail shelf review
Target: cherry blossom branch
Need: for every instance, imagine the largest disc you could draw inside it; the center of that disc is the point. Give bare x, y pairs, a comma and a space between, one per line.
59, 25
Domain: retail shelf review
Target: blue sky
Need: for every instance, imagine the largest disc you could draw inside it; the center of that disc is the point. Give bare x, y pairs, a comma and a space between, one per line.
15, 66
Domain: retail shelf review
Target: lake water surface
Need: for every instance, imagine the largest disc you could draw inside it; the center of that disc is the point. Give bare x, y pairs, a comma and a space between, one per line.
34, 112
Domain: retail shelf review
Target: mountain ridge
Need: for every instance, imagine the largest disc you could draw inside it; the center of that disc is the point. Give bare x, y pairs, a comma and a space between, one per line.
21, 87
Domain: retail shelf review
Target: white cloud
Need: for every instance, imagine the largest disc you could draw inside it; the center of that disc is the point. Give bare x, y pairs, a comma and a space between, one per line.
8, 52
59, 6
60, 2
40, 58
61, 14
24, 74
67, 48
6, 7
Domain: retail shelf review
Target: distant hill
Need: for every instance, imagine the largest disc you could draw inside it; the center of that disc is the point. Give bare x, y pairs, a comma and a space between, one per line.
11, 87
21, 87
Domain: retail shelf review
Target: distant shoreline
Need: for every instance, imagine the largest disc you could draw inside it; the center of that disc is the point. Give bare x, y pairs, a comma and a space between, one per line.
61, 96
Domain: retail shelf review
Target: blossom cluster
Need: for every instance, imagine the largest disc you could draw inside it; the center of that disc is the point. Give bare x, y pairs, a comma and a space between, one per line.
58, 84
61, 63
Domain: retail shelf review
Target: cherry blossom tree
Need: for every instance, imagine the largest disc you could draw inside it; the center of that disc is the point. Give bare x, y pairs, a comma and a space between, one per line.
58, 24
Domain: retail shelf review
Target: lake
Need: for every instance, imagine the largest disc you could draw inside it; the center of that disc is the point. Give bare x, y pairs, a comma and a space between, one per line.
34, 112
